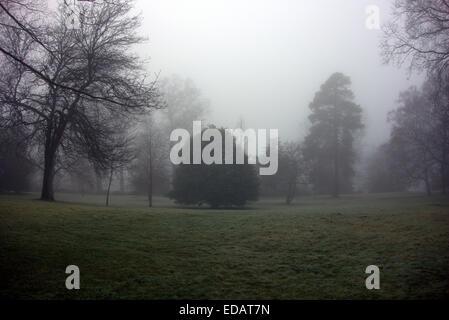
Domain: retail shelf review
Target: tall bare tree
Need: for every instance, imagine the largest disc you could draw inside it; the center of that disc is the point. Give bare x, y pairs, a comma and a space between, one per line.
436, 93
419, 36
420, 134
87, 81
118, 157
151, 168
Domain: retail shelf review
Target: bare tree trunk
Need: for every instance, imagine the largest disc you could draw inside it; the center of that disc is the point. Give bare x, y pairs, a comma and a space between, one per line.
291, 191
150, 190
122, 181
53, 136
109, 187
47, 192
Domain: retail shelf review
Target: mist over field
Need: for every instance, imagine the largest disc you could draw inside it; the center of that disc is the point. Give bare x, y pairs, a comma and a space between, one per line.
202, 149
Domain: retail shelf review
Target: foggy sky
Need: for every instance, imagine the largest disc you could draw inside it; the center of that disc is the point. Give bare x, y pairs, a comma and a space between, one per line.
263, 61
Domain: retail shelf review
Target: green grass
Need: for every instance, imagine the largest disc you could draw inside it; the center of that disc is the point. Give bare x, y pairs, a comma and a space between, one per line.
316, 249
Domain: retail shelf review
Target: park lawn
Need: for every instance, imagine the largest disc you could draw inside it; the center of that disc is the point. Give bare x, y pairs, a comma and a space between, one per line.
317, 248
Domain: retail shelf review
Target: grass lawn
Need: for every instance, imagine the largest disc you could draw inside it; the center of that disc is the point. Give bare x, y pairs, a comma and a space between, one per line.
317, 248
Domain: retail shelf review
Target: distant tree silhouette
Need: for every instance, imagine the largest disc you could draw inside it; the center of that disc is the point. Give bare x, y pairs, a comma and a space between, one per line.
329, 146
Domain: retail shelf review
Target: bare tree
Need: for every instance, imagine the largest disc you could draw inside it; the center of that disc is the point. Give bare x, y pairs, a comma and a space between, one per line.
29, 19
409, 161
418, 35
419, 137
90, 82
292, 173
436, 93
290, 166
184, 102
151, 165
118, 157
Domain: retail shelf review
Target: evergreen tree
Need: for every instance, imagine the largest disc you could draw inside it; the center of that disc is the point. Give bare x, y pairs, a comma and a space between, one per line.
329, 146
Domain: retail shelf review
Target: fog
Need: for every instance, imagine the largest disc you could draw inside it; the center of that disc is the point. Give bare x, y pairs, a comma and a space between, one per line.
263, 61
224, 149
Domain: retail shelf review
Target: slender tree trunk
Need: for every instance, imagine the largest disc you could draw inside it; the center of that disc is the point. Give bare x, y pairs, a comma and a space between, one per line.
150, 190
109, 187
292, 184
47, 192
122, 181
290, 193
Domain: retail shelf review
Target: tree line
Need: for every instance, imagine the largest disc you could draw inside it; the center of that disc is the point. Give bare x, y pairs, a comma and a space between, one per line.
417, 152
80, 108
